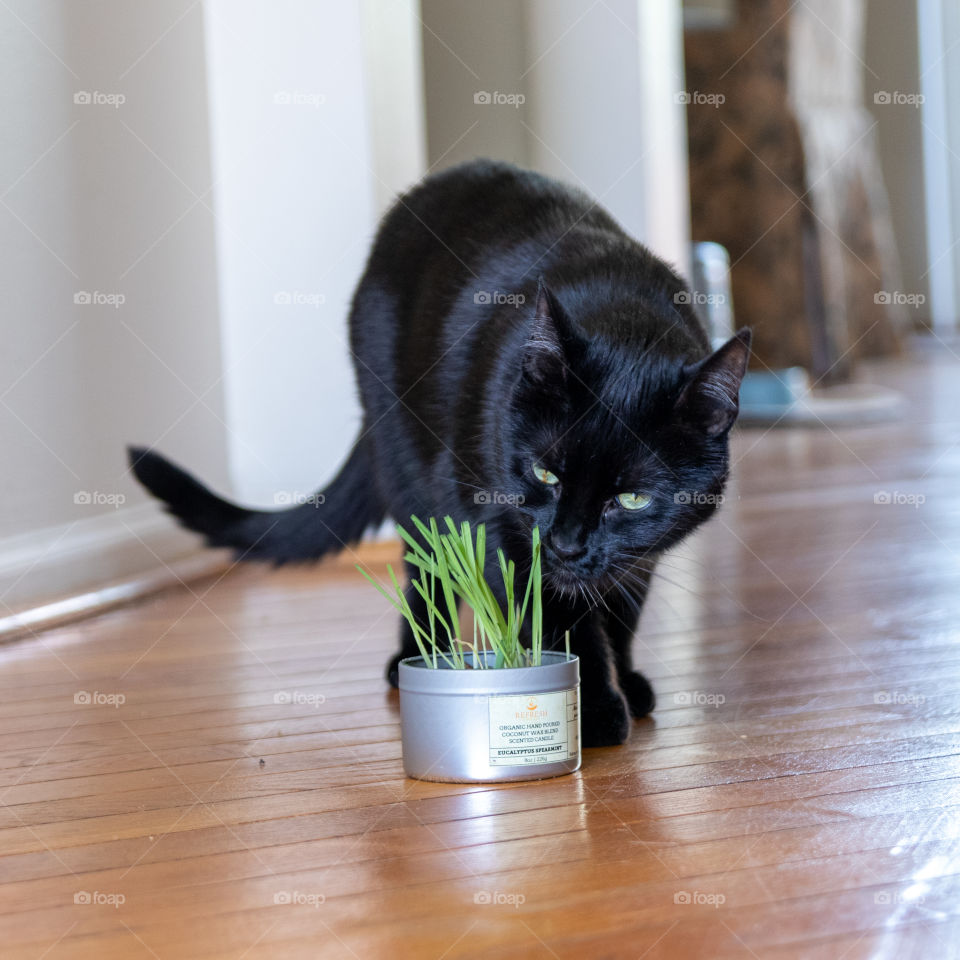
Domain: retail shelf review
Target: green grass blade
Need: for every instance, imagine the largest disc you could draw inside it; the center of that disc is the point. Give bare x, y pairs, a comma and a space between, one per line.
456, 559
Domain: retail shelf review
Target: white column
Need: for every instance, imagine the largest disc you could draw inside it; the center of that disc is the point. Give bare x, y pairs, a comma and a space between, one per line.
938, 29
294, 200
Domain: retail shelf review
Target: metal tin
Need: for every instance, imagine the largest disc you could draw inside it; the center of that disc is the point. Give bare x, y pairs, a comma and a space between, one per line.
712, 298
490, 725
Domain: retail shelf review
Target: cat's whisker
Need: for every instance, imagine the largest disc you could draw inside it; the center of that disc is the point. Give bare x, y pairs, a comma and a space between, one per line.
630, 574
704, 574
634, 603
601, 598
682, 564
637, 603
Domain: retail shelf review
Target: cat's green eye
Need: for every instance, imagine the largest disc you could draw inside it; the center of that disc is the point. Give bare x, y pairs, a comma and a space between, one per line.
634, 501
545, 476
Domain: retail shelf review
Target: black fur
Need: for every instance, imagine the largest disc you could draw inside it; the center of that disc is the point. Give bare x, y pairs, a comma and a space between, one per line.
320, 525
505, 320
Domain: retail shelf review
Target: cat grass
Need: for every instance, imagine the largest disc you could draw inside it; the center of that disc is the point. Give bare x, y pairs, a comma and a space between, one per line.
451, 567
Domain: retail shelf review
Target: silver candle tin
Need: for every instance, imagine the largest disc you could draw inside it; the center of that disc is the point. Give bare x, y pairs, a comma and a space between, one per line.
491, 725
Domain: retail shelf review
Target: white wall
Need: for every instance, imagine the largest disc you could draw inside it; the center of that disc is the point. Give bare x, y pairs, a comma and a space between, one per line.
393, 70
101, 199
600, 108
225, 165
470, 48
603, 82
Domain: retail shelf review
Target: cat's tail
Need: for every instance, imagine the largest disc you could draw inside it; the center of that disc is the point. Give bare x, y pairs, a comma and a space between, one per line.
323, 524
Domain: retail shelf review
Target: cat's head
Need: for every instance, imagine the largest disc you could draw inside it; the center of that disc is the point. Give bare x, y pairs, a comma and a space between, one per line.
617, 437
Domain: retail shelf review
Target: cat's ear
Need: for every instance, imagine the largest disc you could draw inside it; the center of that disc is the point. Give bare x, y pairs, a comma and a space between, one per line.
544, 356
710, 401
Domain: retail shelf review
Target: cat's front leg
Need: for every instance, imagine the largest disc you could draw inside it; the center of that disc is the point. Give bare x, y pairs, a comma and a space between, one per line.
621, 616
604, 714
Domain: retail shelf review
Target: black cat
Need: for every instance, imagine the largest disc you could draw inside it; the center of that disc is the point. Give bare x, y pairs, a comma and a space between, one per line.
521, 362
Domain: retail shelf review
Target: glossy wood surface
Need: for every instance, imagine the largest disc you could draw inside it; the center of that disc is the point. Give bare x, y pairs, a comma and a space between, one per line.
796, 793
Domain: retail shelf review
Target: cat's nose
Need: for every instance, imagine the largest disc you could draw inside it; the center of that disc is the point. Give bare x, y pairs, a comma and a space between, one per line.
565, 547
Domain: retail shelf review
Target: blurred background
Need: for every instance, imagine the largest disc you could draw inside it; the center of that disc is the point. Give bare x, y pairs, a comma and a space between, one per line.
188, 191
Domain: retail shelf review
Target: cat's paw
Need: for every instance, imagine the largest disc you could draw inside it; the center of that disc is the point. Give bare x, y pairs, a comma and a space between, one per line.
393, 670
604, 720
636, 688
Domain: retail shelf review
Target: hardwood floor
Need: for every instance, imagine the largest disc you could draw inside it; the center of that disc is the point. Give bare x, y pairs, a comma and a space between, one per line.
234, 787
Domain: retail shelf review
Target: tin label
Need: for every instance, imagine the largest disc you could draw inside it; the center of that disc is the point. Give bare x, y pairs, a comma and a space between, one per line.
534, 728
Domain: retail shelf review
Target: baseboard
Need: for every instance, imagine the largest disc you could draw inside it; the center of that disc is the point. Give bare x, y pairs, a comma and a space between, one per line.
78, 570
79, 606
74, 558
